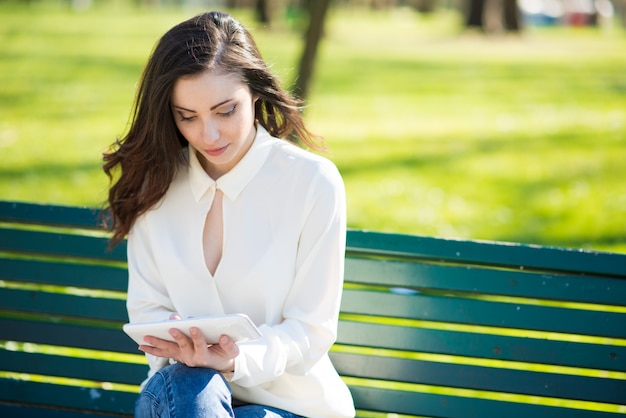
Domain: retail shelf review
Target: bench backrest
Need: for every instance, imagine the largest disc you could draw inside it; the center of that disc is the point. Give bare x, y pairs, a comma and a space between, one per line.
429, 327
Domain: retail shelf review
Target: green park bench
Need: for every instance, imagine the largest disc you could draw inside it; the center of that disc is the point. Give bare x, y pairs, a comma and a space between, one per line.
429, 327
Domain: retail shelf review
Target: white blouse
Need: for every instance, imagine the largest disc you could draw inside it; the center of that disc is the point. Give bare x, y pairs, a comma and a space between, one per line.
284, 216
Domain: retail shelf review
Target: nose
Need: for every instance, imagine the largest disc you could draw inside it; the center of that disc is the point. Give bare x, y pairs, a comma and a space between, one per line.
211, 132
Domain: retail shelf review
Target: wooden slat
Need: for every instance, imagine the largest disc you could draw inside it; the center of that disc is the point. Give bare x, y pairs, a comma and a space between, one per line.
444, 406
63, 304
59, 244
478, 312
391, 273
77, 398
73, 367
66, 216
481, 378
31, 411
496, 347
67, 335
488, 253
62, 273
364, 242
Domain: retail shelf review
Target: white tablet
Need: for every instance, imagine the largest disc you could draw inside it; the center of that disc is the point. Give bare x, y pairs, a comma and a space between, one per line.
237, 326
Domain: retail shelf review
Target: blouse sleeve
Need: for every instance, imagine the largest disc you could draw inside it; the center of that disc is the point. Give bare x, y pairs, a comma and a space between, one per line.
147, 298
311, 308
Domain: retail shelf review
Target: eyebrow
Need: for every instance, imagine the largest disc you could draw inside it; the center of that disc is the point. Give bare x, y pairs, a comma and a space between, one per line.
212, 107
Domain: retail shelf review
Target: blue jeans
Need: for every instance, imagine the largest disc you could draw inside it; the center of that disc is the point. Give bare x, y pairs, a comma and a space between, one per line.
178, 391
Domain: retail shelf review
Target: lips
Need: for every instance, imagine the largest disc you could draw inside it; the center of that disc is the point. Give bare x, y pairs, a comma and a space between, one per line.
216, 152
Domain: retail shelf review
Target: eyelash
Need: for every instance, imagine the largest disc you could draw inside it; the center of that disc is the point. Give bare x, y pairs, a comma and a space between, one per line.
223, 115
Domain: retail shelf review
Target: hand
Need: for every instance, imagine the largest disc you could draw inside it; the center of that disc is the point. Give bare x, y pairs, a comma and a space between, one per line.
194, 351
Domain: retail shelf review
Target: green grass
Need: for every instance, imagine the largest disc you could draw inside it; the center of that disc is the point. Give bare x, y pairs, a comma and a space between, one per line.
436, 132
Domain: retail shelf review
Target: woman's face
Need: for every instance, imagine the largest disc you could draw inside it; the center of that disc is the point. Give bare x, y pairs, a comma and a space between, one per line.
215, 113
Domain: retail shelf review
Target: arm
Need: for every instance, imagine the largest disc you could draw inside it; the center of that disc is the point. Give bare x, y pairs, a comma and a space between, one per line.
311, 308
147, 298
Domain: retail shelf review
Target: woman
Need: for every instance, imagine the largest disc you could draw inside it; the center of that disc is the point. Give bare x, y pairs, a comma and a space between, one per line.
222, 216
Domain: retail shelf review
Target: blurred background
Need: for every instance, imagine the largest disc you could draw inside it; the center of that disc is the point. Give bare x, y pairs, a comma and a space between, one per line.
481, 119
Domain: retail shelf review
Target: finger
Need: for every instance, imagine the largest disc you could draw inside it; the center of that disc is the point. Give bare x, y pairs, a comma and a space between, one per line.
155, 341
175, 317
199, 342
150, 349
228, 346
181, 339
159, 343
159, 352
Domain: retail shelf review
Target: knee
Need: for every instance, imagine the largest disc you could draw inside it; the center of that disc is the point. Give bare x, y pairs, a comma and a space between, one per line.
153, 399
179, 378
176, 385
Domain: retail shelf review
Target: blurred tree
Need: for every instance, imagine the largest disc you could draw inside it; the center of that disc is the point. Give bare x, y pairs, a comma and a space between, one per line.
620, 11
493, 15
315, 10
511, 16
268, 10
424, 6
317, 15
475, 13
263, 12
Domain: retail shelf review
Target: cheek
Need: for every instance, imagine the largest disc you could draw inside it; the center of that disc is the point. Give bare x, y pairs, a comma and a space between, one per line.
246, 117
235, 125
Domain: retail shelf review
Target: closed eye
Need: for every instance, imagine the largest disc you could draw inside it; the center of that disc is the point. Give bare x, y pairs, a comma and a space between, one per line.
229, 112
185, 119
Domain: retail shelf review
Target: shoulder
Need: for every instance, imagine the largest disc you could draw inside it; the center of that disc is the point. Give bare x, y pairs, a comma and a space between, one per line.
293, 160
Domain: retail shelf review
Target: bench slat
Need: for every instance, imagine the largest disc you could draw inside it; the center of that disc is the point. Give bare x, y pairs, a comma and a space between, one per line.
73, 367
487, 313
414, 275
491, 379
592, 356
67, 335
376, 243
33, 213
30, 411
58, 244
487, 346
64, 274
501, 254
77, 398
63, 304
444, 406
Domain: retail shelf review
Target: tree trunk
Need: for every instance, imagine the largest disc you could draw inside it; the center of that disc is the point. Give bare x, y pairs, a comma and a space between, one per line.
317, 15
493, 15
511, 16
424, 6
475, 13
262, 11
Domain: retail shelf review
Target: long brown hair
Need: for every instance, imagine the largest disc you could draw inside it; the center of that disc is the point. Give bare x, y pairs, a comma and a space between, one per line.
143, 163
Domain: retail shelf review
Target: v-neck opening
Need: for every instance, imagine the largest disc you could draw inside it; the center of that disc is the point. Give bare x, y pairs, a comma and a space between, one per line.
212, 232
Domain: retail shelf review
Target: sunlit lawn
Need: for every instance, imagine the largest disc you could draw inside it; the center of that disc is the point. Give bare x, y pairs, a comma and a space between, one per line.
436, 132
